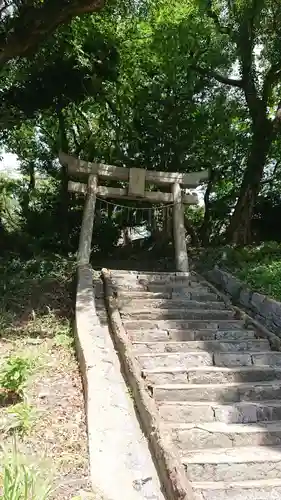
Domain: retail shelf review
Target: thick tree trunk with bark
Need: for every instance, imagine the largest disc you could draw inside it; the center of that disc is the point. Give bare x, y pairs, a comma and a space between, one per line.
239, 231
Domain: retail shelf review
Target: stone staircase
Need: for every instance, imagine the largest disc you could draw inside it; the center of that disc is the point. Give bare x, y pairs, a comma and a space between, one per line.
216, 384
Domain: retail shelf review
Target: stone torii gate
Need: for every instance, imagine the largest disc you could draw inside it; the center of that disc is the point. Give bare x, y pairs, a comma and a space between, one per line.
137, 178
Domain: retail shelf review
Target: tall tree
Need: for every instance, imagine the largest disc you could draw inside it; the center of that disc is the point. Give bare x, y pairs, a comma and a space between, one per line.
249, 32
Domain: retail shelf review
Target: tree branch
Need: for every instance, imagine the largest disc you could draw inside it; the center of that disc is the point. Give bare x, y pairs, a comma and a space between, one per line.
33, 24
272, 77
220, 78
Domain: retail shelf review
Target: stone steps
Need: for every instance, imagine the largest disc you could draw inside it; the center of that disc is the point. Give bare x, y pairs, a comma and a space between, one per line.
190, 335
213, 346
204, 358
220, 464
229, 392
212, 374
216, 411
146, 296
190, 436
164, 304
267, 489
191, 324
156, 314
217, 385
161, 287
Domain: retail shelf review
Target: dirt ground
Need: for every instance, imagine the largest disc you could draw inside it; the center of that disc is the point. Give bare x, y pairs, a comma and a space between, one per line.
48, 422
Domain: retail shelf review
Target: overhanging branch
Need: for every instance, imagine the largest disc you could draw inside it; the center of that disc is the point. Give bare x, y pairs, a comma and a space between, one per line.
220, 78
33, 24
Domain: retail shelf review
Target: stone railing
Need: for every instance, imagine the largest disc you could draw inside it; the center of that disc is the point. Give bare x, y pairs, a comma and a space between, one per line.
264, 309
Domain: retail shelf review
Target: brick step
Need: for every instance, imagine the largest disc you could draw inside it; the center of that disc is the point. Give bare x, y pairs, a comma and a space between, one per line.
168, 304
260, 489
191, 324
213, 346
145, 295
158, 314
227, 393
212, 375
220, 435
243, 463
215, 411
189, 335
205, 358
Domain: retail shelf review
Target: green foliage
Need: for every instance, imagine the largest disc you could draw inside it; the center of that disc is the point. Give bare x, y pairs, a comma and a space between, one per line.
258, 266
20, 480
142, 85
20, 418
14, 374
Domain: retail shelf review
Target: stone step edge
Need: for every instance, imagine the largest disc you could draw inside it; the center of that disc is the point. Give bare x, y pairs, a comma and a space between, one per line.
242, 385
225, 428
215, 341
131, 272
250, 353
180, 311
170, 468
218, 404
215, 369
236, 455
193, 321
222, 485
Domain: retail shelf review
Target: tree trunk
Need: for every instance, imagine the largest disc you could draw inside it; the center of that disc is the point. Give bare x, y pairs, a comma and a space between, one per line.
239, 231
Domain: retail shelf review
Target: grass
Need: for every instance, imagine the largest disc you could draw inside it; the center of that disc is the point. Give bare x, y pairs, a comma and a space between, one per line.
257, 266
20, 480
44, 412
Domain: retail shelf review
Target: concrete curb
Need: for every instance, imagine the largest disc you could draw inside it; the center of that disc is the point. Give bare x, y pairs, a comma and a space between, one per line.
120, 463
170, 469
86, 321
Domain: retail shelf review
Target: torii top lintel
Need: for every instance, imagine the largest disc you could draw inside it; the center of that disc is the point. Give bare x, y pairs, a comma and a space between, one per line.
81, 168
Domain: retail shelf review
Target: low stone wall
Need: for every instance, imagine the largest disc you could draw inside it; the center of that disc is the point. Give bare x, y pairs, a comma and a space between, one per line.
264, 309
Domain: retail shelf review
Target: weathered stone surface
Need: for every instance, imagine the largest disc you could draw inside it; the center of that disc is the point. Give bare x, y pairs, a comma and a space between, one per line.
213, 375
204, 411
216, 383
219, 435
245, 464
182, 411
186, 294
122, 451
148, 335
207, 345
232, 359
156, 314
251, 490
267, 358
225, 393
126, 304
181, 359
